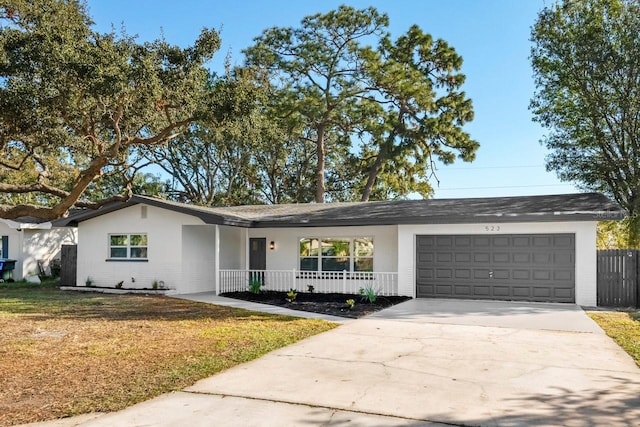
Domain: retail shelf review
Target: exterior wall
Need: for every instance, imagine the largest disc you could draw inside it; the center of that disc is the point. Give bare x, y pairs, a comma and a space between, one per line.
164, 233
15, 248
232, 247
286, 254
44, 246
585, 232
198, 259
29, 246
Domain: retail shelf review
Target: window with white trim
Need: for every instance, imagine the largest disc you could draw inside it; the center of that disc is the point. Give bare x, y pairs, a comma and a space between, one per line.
336, 254
128, 246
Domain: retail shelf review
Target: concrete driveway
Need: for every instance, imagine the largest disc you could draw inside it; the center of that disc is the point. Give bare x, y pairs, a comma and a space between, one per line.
423, 362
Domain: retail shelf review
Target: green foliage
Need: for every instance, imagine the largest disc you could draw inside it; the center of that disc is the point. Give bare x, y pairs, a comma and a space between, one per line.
310, 288
291, 295
369, 294
350, 304
76, 106
585, 61
615, 235
399, 102
88, 281
255, 285
119, 284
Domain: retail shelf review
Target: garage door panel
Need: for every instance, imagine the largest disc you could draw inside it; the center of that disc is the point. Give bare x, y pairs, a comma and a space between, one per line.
501, 257
481, 257
521, 258
508, 267
462, 257
444, 257
521, 274
502, 274
483, 291
521, 292
501, 291
463, 273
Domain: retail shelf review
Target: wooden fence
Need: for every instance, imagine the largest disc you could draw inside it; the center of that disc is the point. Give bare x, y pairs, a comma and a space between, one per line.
68, 265
618, 278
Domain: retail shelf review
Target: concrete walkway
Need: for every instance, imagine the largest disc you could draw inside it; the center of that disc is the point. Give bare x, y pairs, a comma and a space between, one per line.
421, 363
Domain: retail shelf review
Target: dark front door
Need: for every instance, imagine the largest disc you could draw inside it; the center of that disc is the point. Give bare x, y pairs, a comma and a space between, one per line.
258, 253
257, 257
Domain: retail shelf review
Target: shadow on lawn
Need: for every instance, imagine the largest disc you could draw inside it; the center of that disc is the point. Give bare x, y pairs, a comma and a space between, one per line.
47, 303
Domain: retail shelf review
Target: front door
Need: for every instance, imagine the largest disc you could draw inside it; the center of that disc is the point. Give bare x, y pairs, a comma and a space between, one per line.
258, 253
257, 257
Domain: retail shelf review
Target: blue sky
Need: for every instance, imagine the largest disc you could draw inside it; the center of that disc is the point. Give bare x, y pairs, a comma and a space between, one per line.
491, 35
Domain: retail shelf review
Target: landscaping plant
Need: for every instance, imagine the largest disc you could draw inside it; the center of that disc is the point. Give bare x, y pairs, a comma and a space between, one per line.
254, 286
351, 303
291, 295
369, 294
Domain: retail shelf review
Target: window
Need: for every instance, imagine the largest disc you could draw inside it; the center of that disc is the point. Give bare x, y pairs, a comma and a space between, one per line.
128, 246
336, 254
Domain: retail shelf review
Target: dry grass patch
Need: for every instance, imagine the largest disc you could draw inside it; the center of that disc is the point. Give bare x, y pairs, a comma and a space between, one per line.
623, 327
67, 353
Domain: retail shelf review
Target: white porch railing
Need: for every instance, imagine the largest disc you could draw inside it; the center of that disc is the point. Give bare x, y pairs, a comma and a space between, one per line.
384, 283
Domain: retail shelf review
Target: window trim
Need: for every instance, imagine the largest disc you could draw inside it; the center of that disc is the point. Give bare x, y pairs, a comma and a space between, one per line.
352, 253
128, 248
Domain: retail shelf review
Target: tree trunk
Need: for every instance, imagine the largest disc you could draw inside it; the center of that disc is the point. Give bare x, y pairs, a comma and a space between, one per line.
320, 188
373, 175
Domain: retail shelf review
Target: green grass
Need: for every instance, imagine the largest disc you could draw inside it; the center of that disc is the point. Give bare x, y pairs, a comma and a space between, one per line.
67, 353
623, 327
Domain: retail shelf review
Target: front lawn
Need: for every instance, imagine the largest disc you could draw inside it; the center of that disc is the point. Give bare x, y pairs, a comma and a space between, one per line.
67, 353
623, 327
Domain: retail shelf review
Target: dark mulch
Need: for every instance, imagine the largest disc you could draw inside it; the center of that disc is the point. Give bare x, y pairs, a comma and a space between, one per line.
333, 304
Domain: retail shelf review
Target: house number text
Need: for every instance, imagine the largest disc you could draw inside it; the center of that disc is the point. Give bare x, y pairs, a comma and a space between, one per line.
491, 228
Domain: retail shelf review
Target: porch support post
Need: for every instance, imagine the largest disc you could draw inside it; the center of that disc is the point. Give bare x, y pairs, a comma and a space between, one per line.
293, 279
216, 258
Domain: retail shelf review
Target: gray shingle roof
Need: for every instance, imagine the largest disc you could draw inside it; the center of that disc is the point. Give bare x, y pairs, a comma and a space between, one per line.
565, 207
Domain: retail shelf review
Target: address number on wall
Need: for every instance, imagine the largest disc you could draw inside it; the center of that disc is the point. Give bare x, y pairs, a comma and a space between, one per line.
491, 228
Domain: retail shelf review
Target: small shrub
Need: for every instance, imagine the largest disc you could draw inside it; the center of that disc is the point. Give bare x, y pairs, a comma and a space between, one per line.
291, 295
254, 286
369, 294
154, 285
88, 281
350, 304
119, 284
310, 288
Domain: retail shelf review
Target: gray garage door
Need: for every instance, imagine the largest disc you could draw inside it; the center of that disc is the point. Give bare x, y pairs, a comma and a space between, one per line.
517, 267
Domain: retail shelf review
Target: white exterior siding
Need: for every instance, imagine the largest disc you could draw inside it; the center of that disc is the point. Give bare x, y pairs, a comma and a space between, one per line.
585, 232
44, 246
287, 252
198, 259
232, 247
29, 246
165, 257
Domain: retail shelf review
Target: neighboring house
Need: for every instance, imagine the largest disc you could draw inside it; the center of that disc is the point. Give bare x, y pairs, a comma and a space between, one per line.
34, 243
538, 248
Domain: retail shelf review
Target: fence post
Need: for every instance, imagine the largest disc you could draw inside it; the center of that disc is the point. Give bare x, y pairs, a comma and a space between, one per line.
293, 279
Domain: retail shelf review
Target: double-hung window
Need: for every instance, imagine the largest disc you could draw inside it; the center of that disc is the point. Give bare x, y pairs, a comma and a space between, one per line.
336, 254
128, 246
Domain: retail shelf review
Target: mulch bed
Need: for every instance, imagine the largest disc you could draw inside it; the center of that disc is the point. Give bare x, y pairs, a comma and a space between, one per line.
332, 304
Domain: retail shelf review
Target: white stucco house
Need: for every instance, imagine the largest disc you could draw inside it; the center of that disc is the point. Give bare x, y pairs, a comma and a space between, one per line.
534, 248
34, 243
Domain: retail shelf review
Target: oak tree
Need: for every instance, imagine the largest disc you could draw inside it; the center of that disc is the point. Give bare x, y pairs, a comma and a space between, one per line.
76, 105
